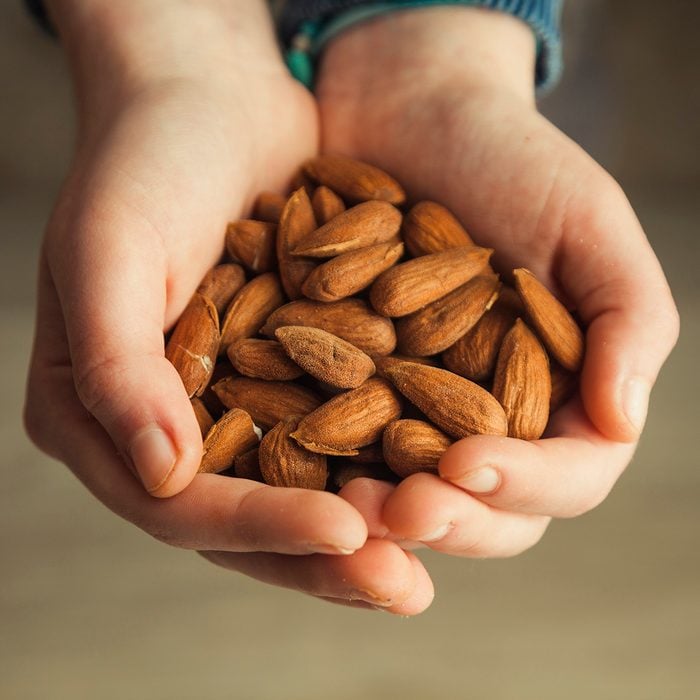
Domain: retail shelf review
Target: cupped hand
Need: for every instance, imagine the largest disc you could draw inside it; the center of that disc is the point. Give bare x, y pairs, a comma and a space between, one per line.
452, 116
174, 141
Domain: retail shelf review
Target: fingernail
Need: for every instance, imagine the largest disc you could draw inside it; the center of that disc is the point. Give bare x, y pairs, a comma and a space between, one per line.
436, 534
153, 455
316, 548
635, 401
483, 480
370, 597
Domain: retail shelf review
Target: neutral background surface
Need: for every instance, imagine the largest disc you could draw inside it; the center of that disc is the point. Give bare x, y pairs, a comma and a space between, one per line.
607, 606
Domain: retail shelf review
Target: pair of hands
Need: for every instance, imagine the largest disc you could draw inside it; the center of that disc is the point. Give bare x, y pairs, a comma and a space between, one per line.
180, 138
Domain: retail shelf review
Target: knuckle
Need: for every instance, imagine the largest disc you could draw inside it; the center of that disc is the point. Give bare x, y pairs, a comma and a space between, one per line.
97, 383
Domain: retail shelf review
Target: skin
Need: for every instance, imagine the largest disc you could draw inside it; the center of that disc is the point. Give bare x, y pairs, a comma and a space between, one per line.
179, 140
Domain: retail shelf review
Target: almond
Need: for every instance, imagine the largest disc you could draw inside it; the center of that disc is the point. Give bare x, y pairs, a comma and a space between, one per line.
410, 286
412, 446
474, 355
246, 466
326, 356
232, 435
564, 385
554, 324
326, 204
522, 383
363, 225
349, 319
267, 402
250, 307
221, 284
454, 404
283, 462
345, 472
297, 222
268, 206
431, 228
193, 344
371, 454
351, 272
381, 362
252, 243
262, 359
350, 420
440, 324
204, 419
354, 180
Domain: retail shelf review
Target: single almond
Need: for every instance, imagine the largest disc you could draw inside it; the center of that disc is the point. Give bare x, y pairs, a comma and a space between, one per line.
232, 435
410, 286
267, 402
564, 385
440, 324
284, 462
431, 228
358, 227
474, 355
262, 359
252, 243
246, 466
412, 446
249, 309
268, 206
456, 405
554, 324
326, 356
221, 284
354, 180
204, 419
297, 222
350, 420
351, 272
343, 473
349, 319
326, 204
193, 344
522, 383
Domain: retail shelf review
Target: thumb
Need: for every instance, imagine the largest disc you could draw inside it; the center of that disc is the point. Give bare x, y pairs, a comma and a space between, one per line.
625, 300
112, 281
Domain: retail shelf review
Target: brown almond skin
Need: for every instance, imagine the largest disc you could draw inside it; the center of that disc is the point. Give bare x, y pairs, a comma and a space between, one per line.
354, 180
456, 405
342, 474
283, 462
326, 356
371, 454
326, 204
252, 243
431, 228
351, 272
440, 324
410, 286
350, 420
358, 227
266, 402
474, 355
262, 359
555, 326
268, 206
232, 435
296, 222
349, 319
412, 446
564, 385
249, 309
522, 383
204, 419
192, 346
246, 466
221, 284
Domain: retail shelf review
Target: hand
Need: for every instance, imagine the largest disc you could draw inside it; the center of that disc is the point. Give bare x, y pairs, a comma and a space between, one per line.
176, 137
451, 114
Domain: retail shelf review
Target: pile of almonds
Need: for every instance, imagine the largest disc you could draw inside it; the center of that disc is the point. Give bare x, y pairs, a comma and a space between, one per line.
348, 339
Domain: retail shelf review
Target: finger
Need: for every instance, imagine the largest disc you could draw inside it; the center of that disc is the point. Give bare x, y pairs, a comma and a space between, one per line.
562, 476
425, 508
111, 277
608, 267
380, 574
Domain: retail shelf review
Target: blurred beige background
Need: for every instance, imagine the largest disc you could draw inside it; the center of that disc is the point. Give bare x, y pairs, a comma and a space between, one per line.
607, 606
